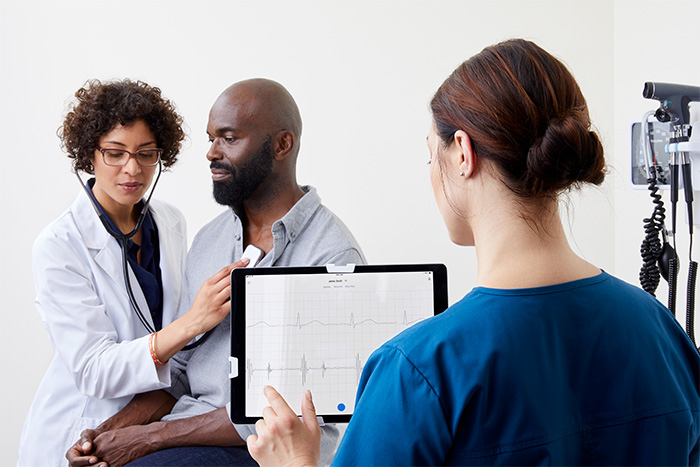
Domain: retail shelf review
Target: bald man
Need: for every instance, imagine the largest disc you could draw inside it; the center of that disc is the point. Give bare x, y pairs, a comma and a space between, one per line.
254, 129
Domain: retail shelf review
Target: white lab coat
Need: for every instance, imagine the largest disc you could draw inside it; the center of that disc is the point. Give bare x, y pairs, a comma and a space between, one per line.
102, 356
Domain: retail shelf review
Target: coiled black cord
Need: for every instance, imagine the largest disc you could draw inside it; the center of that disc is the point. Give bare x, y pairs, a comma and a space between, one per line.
672, 284
690, 313
651, 248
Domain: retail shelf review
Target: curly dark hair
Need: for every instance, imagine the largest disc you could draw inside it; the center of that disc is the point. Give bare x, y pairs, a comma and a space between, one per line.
101, 106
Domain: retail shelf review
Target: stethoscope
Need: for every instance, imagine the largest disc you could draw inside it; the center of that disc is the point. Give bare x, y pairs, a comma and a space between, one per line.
123, 241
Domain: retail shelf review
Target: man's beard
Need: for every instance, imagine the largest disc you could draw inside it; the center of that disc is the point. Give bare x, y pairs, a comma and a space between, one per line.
245, 179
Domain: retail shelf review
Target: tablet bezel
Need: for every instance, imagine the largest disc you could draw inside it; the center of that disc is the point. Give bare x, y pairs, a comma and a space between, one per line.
238, 320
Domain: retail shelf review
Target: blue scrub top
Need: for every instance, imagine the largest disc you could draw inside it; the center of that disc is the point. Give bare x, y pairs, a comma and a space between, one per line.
590, 372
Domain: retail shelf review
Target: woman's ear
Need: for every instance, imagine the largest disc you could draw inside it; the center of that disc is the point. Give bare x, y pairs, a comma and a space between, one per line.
91, 168
467, 158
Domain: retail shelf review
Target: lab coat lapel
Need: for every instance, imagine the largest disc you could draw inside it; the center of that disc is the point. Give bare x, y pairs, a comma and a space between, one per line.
106, 251
171, 266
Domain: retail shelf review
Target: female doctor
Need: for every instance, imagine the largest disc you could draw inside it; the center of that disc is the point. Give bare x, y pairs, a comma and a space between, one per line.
120, 132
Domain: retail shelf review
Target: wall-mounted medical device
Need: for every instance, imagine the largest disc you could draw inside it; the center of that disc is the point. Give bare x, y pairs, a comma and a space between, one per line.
663, 156
659, 134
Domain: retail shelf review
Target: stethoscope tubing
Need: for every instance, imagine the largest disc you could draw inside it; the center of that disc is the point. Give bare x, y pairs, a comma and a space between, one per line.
123, 241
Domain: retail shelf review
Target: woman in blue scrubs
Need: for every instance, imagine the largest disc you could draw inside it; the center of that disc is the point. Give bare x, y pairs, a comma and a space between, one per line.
548, 360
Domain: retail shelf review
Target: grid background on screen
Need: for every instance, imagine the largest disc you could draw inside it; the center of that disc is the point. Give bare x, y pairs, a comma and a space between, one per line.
316, 332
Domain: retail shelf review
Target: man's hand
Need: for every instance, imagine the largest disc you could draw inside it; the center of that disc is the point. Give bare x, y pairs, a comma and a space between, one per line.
143, 408
119, 443
81, 453
123, 445
283, 439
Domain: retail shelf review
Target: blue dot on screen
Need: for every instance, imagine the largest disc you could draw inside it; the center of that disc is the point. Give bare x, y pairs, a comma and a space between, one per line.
341, 407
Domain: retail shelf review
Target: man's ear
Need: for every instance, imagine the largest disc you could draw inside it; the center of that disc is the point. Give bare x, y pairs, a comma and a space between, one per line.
467, 157
284, 143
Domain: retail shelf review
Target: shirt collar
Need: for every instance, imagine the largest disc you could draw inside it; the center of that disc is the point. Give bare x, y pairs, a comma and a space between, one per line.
293, 223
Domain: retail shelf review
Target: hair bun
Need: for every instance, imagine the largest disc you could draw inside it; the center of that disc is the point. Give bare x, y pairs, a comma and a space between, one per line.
525, 114
568, 153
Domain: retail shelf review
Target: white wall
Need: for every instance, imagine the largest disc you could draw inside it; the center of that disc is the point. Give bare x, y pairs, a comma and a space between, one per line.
653, 41
362, 73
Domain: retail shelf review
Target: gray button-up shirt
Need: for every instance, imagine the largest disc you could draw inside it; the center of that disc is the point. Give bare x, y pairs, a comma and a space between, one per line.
308, 235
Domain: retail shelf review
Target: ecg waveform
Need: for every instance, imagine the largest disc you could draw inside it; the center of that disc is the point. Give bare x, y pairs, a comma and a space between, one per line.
304, 369
351, 323
300, 335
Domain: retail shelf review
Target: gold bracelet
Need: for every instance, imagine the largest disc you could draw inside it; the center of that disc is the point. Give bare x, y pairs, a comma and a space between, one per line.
151, 346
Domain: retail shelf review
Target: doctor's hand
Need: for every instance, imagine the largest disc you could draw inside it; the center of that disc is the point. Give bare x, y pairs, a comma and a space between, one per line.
284, 440
211, 305
82, 452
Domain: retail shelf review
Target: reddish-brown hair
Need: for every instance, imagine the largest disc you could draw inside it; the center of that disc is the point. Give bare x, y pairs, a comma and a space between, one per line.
524, 112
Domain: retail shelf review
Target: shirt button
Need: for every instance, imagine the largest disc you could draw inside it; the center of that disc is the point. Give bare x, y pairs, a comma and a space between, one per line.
238, 237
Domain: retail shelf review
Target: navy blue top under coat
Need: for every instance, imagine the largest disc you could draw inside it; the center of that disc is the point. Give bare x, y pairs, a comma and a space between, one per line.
147, 273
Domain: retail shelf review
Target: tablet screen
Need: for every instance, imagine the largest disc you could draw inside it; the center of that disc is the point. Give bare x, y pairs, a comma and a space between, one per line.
316, 331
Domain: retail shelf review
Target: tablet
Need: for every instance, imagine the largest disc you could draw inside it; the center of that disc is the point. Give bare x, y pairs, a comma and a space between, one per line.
313, 328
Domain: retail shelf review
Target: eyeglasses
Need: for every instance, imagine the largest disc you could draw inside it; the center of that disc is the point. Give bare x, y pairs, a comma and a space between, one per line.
120, 157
